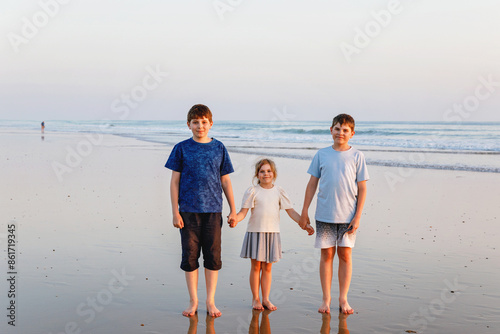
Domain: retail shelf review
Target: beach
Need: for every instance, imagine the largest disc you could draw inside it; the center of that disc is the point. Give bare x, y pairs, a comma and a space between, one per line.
96, 251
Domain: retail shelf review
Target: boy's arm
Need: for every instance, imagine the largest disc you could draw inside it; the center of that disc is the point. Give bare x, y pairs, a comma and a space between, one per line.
353, 226
228, 191
312, 185
296, 217
174, 198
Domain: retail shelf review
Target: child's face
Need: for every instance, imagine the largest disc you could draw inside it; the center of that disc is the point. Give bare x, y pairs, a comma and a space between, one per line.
341, 133
266, 175
200, 127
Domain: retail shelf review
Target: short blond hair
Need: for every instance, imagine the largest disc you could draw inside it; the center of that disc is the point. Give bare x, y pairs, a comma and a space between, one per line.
262, 162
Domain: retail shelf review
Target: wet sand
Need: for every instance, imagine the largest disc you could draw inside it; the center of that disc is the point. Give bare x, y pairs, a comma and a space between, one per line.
97, 252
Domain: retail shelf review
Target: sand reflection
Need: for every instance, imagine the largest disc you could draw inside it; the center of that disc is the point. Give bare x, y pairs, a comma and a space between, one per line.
326, 327
265, 325
193, 324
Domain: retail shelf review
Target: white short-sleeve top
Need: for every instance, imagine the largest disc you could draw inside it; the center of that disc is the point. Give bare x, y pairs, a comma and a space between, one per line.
266, 205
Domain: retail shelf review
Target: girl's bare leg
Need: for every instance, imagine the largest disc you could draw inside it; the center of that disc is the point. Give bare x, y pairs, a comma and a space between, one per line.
325, 275
265, 283
255, 284
345, 274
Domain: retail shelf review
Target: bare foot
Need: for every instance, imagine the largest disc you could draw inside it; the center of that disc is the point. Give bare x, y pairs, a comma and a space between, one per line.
269, 306
345, 308
256, 304
325, 307
213, 311
191, 310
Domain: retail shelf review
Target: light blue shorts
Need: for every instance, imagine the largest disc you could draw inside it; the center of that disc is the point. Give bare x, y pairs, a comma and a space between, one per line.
332, 234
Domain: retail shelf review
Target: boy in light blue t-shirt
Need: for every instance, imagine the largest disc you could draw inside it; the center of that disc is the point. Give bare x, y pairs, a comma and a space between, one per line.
341, 173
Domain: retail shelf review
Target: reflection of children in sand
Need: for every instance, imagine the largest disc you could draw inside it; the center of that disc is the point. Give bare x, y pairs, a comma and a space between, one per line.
193, 324
325, 326
265, 325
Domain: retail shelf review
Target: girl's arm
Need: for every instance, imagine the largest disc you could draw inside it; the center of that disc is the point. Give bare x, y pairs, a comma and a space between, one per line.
296, 217
239, 217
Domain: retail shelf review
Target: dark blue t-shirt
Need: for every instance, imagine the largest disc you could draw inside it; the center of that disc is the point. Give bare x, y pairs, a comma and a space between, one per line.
201, 166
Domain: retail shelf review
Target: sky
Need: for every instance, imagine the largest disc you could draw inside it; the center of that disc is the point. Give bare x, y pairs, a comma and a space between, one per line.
250, 59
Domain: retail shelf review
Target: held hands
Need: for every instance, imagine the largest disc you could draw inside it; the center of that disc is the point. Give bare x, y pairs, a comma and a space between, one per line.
304, 220
305, 224
309, 229
232, 219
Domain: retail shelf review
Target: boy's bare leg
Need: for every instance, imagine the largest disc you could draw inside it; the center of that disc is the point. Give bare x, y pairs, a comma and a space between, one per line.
325, 275
192, 285
211, 277
265, 283
255, 284
345, 274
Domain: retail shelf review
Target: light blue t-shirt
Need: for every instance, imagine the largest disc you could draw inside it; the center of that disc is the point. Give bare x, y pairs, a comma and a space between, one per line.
339, 173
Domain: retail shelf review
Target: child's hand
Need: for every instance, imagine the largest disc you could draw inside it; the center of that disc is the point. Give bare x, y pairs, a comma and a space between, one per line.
232, 222
353, 226
232, 219
177, 221
309, 229
304, 220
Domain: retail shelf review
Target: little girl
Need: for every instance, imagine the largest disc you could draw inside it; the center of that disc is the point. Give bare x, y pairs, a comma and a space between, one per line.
262, 243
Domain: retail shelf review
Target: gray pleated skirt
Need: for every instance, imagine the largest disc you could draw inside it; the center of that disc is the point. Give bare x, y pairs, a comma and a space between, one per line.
262, 246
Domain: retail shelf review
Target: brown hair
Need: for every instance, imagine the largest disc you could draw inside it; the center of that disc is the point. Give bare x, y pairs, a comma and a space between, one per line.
263, 162
344, 119
199, 111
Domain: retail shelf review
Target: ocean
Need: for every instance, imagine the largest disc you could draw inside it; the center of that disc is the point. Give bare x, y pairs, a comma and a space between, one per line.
433, 145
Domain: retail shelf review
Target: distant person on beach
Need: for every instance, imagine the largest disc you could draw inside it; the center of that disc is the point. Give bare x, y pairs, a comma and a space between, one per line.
341, 173
262, 243
43, 127
200, 172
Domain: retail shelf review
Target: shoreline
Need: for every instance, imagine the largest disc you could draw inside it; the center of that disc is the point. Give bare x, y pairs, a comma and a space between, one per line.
407, 158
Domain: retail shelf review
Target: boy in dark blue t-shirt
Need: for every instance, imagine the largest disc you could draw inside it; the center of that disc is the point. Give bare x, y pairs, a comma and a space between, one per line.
200, 172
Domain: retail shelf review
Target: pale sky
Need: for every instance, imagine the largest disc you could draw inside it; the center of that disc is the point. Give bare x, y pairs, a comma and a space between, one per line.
377, 60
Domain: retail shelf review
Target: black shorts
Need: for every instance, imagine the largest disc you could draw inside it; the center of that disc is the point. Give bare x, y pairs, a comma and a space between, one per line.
201, 231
